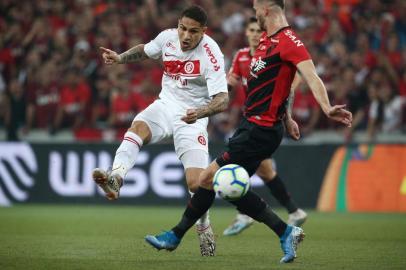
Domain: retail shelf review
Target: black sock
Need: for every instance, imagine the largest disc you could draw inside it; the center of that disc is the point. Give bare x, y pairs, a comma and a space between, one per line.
252, 205
197, 206
279, 191
273, 221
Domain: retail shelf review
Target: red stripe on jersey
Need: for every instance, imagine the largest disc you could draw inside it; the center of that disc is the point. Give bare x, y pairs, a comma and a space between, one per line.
259, 102
284, 51
178, 67
259, 87
132, 141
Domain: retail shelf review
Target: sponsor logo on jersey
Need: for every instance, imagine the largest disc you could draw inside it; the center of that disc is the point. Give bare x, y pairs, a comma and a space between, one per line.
212, 58
169, 54
244, 58
295, 40
170, 45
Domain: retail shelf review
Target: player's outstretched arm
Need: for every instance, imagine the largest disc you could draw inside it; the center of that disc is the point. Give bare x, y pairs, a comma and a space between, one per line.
292, 128
135, 54
337, 112
218, 104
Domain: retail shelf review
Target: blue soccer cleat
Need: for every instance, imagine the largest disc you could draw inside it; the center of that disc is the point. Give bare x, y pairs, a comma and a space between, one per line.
166, 240
289, 242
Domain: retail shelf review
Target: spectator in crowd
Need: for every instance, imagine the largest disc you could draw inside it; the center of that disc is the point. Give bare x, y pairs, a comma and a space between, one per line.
363, 36
305, 110
73, 108
15, 110
385, 113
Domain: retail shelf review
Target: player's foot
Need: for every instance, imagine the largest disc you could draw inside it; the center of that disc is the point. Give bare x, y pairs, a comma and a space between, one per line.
240, 223
289, 242
206, 238
297, 218
110, 183
166, 240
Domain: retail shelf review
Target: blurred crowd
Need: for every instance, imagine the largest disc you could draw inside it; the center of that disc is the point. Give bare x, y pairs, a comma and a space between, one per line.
52, 77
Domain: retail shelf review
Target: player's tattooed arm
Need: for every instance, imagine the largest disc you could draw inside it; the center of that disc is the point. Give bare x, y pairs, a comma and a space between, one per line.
135, 54
291, 98
218, 104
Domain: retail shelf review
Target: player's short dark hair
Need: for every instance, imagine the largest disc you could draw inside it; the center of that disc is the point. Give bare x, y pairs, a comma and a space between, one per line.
196, 13
252, 20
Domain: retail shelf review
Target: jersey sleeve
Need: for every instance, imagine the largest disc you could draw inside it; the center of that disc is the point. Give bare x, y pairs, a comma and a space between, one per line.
215, 71
294, 50
235, 68
154, 48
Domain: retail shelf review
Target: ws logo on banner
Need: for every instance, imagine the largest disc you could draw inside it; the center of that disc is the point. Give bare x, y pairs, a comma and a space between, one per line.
17, 165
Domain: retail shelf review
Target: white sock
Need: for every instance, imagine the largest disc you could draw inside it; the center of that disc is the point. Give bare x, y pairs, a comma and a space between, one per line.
127, 153
204, 220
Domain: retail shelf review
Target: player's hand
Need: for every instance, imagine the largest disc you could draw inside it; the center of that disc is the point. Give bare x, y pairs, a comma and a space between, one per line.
339, 114
190, 117
292, 128
110, 57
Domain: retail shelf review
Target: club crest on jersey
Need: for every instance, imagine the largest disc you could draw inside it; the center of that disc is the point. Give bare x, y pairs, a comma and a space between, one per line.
189, 67
201, 139
258, 65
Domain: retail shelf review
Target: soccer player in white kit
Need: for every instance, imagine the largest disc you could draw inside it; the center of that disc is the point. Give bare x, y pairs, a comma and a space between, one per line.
194, 86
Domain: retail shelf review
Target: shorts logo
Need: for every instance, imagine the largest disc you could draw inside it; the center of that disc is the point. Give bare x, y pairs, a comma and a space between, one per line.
201, 139
189, 67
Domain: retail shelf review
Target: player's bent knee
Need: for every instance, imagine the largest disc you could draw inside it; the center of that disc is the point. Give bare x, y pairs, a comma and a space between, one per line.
206, 177
142, 130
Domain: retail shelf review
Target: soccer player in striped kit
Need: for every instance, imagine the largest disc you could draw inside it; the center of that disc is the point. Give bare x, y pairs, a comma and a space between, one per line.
238, 74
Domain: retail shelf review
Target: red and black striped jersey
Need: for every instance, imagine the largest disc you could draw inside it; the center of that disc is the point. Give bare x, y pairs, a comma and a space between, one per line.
272, 70
241, 65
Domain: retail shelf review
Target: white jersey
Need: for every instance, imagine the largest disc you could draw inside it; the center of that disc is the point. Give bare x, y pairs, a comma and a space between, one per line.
192, 77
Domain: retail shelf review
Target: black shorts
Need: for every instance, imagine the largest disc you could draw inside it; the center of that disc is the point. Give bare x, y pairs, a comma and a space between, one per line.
251, 144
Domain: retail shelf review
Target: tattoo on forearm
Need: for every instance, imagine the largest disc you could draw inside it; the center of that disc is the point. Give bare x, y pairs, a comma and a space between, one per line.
218, 104
135, 54
291, 99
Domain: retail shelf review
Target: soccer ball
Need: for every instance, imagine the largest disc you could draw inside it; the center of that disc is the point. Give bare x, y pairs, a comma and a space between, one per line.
231, 182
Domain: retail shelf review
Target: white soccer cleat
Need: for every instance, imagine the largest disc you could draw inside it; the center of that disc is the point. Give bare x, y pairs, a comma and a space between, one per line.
297, 218
207, 242
110, 183
240, 223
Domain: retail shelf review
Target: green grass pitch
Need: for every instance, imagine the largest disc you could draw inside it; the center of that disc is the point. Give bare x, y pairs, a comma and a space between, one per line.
112, 237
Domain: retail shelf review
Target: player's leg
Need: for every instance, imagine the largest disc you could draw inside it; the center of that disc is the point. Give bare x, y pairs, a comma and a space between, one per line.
267, 173
248, 149
203, 226
243, 150
144, 129
112, 180
191, 146
197, 206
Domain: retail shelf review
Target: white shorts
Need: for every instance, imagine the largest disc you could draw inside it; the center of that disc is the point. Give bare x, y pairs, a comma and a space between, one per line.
164, 120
